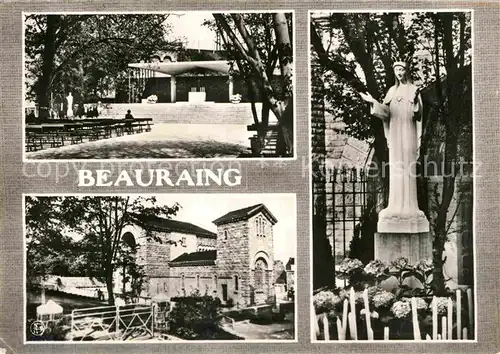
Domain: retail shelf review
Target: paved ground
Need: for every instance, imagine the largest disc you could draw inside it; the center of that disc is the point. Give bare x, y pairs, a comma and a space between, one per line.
164, 141
252, 331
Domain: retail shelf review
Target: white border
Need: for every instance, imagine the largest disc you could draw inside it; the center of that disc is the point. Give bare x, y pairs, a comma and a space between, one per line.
292, 196
265, 159
311, 206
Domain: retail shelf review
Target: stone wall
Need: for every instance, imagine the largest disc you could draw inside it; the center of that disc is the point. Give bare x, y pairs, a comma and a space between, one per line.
233, 259
261, 247
205, 244
187, 279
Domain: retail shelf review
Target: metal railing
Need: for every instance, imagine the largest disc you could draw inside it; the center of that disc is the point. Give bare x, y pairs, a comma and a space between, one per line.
117, 323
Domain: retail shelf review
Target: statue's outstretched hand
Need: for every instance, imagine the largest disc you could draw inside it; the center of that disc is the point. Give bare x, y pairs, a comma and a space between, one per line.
367, 97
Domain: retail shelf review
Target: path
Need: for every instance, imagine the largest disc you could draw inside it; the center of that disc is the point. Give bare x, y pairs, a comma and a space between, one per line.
164, 141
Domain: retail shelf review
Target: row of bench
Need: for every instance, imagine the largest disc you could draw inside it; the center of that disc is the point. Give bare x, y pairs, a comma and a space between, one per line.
41, 136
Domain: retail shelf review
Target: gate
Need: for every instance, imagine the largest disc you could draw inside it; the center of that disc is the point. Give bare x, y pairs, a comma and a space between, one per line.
349, 192
118, 323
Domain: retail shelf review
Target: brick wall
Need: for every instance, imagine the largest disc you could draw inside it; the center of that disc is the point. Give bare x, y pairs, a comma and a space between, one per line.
318, 139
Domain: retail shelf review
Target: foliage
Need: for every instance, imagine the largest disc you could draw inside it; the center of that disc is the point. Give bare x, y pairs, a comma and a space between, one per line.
87, 55
195, 317
362, 243
48, 247
387, 308
257, 44
93, 225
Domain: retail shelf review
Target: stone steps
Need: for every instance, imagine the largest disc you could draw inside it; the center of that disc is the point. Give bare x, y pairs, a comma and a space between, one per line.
186, 113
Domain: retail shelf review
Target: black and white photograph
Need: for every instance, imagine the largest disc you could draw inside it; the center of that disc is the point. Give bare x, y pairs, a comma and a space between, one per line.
392, 176
158, 268
159, 85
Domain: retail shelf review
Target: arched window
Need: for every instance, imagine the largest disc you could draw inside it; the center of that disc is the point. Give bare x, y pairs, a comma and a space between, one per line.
260, 272
225, 234
236, 285
215, 282
182, 281
197, 281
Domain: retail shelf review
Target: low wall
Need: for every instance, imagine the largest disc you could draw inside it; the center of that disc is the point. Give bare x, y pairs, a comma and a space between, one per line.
186, 112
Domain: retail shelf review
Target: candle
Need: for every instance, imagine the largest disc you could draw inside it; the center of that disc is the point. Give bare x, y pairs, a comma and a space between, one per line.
340, 331
369, 331
416, 328
443, 327
316, 326
439, 337
386, 333
352, 297
471, 308
434, 318
43, 296
428, 337
344, 316
352, 326
459, 313
464, 335
326, 327
450, 319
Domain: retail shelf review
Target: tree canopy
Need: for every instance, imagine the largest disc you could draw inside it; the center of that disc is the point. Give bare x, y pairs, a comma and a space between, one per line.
82, 236
258, 43
88, 54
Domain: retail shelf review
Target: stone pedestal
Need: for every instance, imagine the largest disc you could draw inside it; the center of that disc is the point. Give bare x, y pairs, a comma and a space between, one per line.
414, 246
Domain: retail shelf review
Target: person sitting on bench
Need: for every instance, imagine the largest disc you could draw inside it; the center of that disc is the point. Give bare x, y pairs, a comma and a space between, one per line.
129, 120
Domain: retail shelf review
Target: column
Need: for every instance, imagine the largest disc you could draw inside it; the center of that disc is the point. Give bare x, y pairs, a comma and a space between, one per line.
173, 89
230, 86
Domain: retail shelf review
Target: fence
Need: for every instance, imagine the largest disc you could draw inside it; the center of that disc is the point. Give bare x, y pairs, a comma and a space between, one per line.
112, 323
349, 192
446, 327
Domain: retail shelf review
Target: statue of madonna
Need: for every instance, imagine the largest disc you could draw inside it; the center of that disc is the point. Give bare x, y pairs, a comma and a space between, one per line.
401, 114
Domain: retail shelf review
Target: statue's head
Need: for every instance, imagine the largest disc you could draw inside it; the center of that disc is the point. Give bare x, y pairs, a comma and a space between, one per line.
401, 72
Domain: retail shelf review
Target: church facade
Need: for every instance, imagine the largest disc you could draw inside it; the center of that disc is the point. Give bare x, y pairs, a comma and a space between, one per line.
234, 264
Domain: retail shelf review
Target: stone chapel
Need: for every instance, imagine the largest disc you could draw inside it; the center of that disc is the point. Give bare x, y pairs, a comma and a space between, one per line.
234, 264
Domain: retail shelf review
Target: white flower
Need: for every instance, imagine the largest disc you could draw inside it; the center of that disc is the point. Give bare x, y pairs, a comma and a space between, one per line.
401, 309
383, 299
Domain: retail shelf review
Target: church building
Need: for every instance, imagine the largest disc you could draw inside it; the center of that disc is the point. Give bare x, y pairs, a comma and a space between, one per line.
234, 264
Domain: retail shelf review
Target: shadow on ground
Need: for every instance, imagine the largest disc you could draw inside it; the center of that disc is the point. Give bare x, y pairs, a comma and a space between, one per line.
144, 149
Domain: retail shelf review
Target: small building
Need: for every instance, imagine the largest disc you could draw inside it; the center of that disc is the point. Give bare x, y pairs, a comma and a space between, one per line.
234, 264
191, 76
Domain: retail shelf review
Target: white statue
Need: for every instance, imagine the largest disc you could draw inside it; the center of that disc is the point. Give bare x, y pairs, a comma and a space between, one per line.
401, 114
69, 112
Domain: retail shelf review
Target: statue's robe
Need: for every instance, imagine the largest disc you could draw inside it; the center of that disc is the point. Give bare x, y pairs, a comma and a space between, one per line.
401, 113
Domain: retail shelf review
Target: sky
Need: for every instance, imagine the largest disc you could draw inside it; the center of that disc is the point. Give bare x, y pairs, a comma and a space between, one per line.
202, 209
189, 25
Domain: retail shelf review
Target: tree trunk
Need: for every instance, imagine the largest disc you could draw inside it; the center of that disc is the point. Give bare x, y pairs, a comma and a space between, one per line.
49, 51
109, 285
284, 145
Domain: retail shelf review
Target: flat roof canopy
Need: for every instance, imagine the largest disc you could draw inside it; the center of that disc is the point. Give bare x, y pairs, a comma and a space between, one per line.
176, 68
